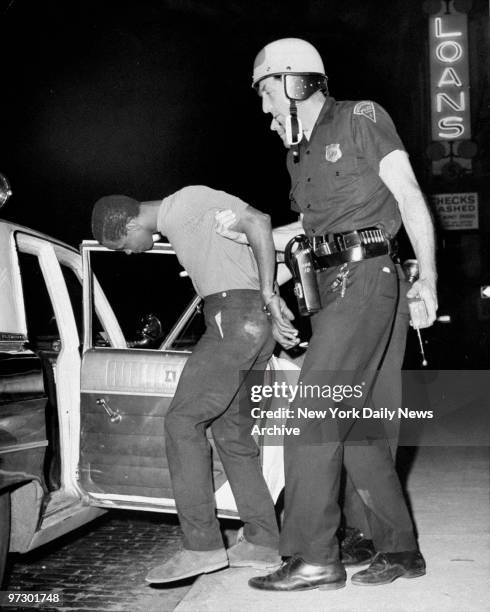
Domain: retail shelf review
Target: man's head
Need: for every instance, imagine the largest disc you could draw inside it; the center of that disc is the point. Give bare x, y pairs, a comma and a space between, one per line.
117, 225
288, 72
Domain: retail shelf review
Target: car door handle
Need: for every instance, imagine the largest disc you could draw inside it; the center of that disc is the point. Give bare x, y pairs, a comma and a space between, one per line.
114, 415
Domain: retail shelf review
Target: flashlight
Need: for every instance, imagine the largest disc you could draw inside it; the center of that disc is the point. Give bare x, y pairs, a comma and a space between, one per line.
416, 305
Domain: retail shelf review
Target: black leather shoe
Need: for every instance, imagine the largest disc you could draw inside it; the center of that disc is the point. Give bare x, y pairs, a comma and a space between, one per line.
387, 567
355, 548
296, 575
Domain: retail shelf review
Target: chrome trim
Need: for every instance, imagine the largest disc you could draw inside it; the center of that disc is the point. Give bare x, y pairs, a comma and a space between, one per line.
20, 447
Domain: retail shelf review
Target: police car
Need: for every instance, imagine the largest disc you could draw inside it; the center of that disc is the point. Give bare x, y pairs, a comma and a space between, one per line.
82, 395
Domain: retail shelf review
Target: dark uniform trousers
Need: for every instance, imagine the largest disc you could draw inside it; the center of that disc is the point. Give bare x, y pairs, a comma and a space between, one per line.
350, 337
387, 392
237, 340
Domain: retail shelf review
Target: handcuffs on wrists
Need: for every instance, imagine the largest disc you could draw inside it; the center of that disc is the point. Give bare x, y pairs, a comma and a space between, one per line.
265, 308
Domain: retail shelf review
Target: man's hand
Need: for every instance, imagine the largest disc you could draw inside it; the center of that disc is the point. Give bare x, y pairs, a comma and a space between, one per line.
424, 290
224, 220
397, 174
282, 330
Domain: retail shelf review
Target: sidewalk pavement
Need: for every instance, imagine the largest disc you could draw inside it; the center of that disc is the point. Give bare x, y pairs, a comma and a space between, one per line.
449, 491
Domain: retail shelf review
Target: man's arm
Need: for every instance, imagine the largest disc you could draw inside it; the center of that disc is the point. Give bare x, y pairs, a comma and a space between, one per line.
226, 227
257, 228
397, 174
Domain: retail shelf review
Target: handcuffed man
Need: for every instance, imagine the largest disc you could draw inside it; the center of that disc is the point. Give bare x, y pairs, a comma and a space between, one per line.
240, 301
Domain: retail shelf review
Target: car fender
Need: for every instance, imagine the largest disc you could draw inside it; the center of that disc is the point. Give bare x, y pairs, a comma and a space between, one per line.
25, 512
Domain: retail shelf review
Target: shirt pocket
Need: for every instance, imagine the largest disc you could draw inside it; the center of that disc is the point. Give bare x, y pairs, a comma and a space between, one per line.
342, 172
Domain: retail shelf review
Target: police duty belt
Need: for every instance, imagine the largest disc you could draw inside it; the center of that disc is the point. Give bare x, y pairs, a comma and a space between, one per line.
336, 249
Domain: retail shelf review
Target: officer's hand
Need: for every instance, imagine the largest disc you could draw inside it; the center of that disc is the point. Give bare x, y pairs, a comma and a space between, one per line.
423, 313
287, 341
223, 221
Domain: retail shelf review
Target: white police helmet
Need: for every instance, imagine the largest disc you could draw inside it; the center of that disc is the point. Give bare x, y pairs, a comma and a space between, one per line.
297, 61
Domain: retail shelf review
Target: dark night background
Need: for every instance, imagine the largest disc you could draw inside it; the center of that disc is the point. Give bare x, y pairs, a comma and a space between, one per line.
145, 97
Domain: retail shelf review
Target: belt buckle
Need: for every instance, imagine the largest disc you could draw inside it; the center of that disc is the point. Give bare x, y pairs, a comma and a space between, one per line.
347, 240
352, 239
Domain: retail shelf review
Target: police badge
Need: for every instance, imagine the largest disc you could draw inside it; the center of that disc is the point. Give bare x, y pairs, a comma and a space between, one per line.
333, 152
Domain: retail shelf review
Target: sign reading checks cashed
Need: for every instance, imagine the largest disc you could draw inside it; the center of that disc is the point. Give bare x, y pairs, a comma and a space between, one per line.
456, 211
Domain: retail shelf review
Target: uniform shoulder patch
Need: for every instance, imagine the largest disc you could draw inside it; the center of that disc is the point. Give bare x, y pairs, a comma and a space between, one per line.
367, 109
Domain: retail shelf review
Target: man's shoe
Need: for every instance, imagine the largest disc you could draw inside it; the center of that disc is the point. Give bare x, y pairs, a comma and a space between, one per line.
187, 563
387, 567
296, 575
246, 554
355, 548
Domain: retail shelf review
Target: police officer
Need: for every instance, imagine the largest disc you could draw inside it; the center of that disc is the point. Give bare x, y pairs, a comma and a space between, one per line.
352, 185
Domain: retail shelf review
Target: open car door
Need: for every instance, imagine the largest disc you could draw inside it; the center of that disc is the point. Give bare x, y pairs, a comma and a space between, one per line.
128, 380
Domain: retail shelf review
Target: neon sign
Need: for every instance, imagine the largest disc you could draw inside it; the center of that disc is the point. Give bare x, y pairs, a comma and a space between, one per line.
449, 77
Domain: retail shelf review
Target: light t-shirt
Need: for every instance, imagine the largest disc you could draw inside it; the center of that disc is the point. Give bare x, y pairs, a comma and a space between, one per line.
214, 263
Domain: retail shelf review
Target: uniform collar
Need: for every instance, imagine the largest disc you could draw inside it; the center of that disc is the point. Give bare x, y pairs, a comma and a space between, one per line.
327, 109
326, 114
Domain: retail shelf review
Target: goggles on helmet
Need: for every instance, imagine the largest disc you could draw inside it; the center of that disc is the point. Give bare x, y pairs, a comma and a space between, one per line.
301, 86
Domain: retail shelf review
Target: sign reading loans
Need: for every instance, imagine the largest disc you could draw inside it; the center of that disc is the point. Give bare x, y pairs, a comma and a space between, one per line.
449, 76
456, 211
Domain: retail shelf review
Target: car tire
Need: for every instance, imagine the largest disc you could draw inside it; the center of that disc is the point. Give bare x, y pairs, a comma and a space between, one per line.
4, 532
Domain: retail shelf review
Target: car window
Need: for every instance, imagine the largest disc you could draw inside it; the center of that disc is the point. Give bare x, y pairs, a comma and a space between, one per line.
75, 291
148, 293
42, 328
191, 331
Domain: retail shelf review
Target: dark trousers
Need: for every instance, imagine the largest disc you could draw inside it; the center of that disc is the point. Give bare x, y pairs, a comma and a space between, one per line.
387, 392
237, 339
350, 336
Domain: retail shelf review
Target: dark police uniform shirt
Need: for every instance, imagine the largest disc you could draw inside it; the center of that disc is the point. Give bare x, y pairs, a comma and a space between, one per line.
336, 183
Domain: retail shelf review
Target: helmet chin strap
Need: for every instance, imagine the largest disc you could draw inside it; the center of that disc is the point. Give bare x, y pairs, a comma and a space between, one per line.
294, 130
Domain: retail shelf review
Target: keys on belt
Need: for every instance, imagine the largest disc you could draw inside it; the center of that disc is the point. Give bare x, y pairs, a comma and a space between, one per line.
336, 249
